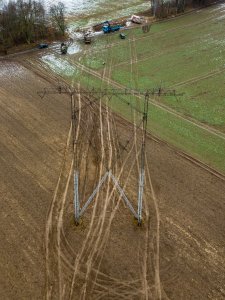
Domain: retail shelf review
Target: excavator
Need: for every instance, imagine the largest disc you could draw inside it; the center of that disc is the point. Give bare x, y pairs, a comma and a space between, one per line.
64, 46
87, 37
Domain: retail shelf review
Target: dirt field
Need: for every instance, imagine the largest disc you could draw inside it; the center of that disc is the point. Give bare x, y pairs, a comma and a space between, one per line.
32, 142
178, 253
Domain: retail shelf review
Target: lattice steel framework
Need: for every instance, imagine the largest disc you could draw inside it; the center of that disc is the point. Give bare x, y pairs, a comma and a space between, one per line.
64, 89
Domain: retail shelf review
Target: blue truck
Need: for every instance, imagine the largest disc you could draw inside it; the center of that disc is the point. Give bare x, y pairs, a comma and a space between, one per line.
107, 27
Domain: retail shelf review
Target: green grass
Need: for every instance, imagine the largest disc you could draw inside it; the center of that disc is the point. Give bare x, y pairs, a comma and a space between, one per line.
176, 53
180, 133
203, 100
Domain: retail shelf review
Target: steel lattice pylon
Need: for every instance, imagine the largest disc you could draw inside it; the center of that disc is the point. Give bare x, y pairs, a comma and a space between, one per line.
64, 89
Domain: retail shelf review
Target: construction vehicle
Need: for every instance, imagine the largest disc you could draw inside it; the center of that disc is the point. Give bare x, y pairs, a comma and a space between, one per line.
64, 48
108, 27
87, 38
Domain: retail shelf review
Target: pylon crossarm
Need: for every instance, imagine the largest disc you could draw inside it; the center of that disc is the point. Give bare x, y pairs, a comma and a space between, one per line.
88, 202
122, 193
107, 91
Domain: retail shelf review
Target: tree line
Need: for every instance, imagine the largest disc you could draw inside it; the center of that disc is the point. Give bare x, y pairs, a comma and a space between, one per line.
164, 8
28, 21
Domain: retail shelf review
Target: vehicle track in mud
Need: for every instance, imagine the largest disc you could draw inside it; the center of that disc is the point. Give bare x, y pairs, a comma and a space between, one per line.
109, 166
162, 106
160, 291
77, 261
96, 249
59, 212
49, 220
182, 154
99, 229
157, 104
123, 261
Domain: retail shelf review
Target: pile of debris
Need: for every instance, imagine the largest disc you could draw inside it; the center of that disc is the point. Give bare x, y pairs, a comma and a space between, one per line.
137, 19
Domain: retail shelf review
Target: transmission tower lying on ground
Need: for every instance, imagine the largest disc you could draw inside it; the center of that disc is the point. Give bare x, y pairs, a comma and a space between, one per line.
64, 89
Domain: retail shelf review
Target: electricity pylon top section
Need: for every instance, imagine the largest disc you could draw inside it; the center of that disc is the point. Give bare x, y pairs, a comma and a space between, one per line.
64, 89
94, 93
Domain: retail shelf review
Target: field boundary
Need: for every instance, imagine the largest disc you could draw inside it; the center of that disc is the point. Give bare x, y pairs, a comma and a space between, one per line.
179, 152
150, 135
164, 107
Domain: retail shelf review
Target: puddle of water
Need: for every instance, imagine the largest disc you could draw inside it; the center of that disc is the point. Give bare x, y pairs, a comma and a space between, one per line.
218, 8
210, 40
221, 12
74, 48
221, 17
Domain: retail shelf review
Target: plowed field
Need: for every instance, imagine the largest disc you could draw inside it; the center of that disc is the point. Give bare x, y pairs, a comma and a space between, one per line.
178, 253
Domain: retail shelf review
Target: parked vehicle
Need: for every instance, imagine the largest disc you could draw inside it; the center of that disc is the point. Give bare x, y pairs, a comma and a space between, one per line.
122, 36
98, 27
107, 27
63, 48
42, 46
87, 38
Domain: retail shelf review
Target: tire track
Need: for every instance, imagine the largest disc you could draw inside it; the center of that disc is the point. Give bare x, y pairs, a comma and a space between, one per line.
100, 225
79, 256
49, 222
59, 227
103, 213
161, 106
157, 267
63, 200
199, 78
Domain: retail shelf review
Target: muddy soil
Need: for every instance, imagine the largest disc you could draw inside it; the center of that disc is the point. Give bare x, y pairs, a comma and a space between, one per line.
178, 253
33, 132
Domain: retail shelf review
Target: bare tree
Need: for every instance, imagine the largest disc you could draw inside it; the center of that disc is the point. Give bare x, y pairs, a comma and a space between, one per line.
57, 14
154, 6
7, 25
22, 22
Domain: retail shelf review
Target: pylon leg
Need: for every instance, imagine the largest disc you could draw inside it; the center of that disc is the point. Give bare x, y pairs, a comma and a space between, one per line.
140, 195
76, 198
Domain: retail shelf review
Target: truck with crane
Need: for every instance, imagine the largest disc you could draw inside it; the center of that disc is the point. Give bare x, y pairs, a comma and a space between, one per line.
110, 27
